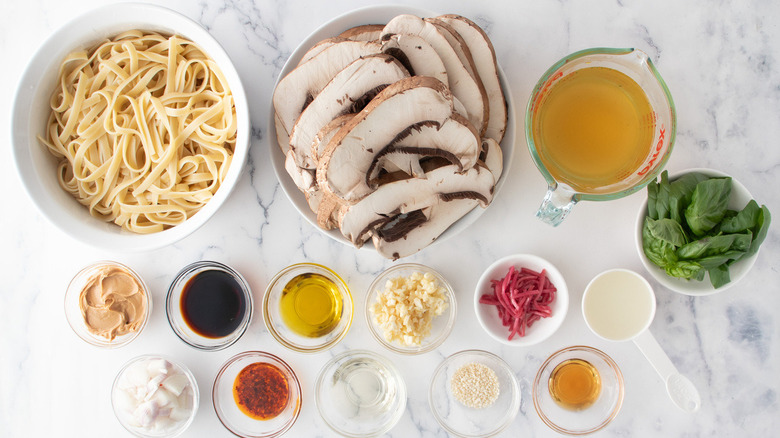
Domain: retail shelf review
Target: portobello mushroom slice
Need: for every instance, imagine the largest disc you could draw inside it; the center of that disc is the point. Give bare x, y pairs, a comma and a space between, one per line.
438, 218
419, 57
463, 85
296, 90
365, 32
484, 56
455, 140
348, 92
343, 167
360, 221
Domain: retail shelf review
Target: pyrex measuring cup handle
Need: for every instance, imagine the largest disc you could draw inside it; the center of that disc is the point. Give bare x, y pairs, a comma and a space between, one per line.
556, 205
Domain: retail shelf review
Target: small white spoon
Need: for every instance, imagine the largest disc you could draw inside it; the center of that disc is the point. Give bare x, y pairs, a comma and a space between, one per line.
680, 389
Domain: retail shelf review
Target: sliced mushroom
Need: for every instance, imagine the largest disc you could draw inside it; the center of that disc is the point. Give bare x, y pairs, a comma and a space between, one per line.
485, 60
455, 140
326, 133
296, 90
416, 55
319, 47
437, 218
463, 85
365, 32
348, 92
343, 167
358, 222
493, 157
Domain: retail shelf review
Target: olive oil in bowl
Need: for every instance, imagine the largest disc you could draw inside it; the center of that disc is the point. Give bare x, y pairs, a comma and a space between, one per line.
311, 305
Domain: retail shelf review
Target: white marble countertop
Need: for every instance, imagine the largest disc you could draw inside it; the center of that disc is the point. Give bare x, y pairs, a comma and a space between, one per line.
722, 65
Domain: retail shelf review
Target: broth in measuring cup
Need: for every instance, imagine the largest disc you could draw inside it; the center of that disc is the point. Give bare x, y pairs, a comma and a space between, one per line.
595, 127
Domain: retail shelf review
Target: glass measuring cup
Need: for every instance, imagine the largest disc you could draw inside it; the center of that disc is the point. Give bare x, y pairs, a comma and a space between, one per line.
619, 305
656, 121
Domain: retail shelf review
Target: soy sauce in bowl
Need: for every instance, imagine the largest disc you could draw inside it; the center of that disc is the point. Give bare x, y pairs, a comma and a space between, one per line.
212, 304
209, 305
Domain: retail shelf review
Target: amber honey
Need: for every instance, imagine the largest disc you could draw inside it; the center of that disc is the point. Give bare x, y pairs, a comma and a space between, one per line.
593, 128
575, 384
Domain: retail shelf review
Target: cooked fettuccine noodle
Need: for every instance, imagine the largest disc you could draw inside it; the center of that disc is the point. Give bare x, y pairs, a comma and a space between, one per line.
145, 126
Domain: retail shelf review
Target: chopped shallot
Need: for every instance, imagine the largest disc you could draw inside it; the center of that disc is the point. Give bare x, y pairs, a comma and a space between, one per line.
522, 298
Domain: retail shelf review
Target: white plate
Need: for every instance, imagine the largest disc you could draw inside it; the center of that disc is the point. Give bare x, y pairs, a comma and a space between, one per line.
374, 15
740, 196
539, 330
37, 167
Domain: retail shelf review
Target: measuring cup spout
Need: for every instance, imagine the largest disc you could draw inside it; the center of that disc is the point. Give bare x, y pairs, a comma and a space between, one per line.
556, 205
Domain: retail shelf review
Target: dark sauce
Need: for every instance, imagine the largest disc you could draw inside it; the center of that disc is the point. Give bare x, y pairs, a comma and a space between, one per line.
213, 304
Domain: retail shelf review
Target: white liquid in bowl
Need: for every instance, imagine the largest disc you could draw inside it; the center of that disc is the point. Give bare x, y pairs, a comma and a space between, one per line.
618, 305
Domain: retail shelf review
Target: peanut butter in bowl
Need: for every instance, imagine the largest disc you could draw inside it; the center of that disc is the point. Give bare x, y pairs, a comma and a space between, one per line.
107, 304
113, 302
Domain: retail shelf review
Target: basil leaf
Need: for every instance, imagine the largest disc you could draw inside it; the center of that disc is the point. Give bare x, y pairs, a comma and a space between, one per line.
708, 205
714, 261
669, 231
764, 219
719, 276
652, 194
746, 219
681, 192
684, 269
657, 250
714, 245
662, 198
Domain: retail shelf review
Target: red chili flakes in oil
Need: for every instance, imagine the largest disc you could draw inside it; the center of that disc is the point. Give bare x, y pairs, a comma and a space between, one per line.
261, 391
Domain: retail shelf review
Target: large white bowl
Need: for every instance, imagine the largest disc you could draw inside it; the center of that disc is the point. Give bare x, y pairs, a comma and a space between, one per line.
487, 315
740, 196
375, 15
37, 167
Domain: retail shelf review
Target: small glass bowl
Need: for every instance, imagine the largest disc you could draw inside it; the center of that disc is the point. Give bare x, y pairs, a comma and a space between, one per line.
592, 418
132, 374
464, 421
73, 310
441, 325
176, 319
360, 394
241, 424
279, 330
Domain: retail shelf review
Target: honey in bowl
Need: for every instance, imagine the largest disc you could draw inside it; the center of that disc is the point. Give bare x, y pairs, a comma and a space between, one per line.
594, 128
575, 384
311, 305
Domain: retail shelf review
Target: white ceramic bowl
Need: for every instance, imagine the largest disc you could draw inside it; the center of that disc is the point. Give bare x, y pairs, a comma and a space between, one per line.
37, 167
375, 15
740, 196
539, 330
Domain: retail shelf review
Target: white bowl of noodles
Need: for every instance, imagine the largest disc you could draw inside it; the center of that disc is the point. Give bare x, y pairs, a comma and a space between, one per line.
167, 195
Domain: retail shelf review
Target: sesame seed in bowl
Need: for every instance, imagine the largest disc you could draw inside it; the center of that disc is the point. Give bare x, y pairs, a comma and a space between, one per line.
474, 393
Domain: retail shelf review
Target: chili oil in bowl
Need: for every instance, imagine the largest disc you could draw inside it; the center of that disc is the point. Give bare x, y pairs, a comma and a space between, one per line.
209, 305
257, 395
307, 307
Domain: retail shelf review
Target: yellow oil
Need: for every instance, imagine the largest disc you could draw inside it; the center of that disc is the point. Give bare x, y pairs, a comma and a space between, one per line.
311, 305
594, 128
575, 384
